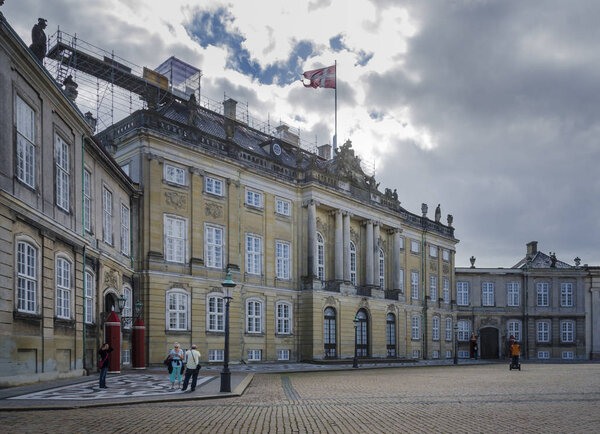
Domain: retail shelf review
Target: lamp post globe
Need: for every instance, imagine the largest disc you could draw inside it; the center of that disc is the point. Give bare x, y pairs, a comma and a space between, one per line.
227, 285
121, 303
356, 321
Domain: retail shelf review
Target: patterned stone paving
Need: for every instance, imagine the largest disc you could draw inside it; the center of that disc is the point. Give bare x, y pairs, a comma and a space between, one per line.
121, 386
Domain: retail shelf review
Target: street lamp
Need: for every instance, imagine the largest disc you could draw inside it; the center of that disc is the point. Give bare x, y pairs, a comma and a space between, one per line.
356, 321
227, 285
456, 344
121, 301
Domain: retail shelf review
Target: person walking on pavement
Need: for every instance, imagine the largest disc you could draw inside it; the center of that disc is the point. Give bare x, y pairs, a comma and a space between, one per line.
103, 354
176, 358
192, 368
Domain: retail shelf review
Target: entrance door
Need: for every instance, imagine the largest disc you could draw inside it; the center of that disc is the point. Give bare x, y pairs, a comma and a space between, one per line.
391, 335
362, 334
329, 333
489, 343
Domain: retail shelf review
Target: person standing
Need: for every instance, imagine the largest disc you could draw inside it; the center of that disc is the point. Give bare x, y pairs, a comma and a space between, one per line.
192, 368
515, 352
176, 358
103, 361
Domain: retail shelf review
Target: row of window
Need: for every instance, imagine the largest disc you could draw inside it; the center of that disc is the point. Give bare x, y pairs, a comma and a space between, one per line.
216, 355
415, 324
514, 294
514, 327
567, 355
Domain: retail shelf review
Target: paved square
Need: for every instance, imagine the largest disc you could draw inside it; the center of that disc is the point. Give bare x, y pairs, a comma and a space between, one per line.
483, 398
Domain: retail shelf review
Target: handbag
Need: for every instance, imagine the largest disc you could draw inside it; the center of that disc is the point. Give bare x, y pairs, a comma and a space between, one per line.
101, 362
182, 368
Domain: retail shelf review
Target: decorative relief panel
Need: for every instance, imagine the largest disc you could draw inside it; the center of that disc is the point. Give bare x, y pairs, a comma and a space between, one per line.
214, 210
354, 236
446, 268
321, 227
176, 200
111, 279
433, 266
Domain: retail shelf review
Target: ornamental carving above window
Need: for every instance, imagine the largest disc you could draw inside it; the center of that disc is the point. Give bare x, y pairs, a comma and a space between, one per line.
213, 210
176, 200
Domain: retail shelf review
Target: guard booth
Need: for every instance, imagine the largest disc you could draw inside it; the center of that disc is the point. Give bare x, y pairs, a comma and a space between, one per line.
112, 336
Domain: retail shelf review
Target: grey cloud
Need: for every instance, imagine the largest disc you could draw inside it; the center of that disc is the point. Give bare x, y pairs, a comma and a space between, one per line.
318, 4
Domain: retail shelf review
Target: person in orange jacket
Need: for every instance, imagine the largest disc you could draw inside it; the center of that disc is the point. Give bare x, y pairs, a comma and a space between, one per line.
515, 352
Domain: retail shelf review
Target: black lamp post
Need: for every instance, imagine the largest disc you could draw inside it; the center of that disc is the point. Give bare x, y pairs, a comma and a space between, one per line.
356, 321
227, 284
121, 301
456, 344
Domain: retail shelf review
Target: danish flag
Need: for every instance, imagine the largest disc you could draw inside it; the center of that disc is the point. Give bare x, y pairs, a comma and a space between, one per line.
324, 77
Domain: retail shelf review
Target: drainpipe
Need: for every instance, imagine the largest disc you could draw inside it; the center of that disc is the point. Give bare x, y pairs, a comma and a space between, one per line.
83, 233
423, 280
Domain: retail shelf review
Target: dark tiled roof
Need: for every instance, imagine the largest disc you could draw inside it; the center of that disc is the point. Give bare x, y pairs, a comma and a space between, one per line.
541, 260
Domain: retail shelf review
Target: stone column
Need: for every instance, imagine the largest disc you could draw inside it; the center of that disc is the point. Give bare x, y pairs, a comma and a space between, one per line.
397, 284
339, 246
376, 254
346, 224
312, 238
369, 254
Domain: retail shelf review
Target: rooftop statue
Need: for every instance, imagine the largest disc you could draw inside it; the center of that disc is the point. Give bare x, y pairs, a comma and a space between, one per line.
438, 214
38, 39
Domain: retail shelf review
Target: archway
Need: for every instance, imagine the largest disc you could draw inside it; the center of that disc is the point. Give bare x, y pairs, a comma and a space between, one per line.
489, 346
110, 303
330, 330
362, 334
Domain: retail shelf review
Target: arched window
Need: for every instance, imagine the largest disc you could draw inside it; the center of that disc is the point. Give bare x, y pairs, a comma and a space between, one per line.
362, 334
177, 309
283, 318
63, 288
391, 334
90, 291
435, 328
254, 312
448, 329
127, 307
381, 269
26, 277
353, 263
320, 257
215, 313
329, 328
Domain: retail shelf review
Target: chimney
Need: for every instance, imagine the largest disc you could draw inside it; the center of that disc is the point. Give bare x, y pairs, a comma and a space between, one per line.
324, 151
229, 111
531, 249
284, 133
91, 120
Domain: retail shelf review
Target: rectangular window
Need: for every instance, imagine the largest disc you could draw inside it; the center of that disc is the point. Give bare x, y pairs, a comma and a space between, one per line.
63, 288
401, 243
433, 292
254, 316
433, 251
178, 311
283, 354
416, 354
464, 330
87, 199
175, 239
542, 294
568, 355
126, 357
284, 320
215, 355
125, 241
436, 354
25, 143
253, 254
213, 186
462, 354
415, 246
567, 331
514, 294
353, 263
446, 255
401, 280
282, 260
448, 354
448, 329
462, 293
566, 294
173, 174
435, 328
216, 314
253, 198
415, 326
487, 294
26, 277
254, 355
107, 216
514, 329
63, 172
283, 207
543, 331
543, 354
446, 290
213, 242
89, 297
414, 285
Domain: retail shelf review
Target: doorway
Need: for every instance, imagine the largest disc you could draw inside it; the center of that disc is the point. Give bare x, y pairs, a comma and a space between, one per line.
489, 343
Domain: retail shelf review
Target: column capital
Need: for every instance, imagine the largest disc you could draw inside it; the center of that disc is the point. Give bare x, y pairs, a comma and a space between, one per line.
196, 171
393, 231
367, 222
347, 213
335, 212
310, 202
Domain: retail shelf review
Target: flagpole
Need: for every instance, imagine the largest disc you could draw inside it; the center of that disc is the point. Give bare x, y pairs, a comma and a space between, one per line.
335, 96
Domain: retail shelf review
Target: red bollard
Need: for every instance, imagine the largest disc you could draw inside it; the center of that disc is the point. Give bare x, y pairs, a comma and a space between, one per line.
112, 336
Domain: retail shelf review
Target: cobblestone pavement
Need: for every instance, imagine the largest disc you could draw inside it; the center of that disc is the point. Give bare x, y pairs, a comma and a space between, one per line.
479, 398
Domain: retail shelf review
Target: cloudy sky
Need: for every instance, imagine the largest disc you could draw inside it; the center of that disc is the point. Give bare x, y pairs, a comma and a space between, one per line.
486, 107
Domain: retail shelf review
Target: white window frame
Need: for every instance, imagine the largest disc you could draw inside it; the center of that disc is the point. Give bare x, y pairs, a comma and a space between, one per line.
27, 276
542, 298
283, 318
64, 286
513, 327
567, 331
435, 328
175, 238
464, 330
462, 293
448, 329
283, 207
433, 251
415, 327
464, 354
89, 295
174, 174
435, 354
254, 355
542, 329
320, 256
254, 315
128, 306
401, 243
448, 354
487, 294
568, 355
125, 230
213, 186
215, 312
214, 246
107, 233
283, 354
62, 172
433, 288
414, 285
446, 290
180, 315
416, 354
87, 199
283, 252
445, 255
415, 246
381, 269
254, 254
26, 149
353, 263
215, 355
543, 354
566, 294
253, 198
513, 294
